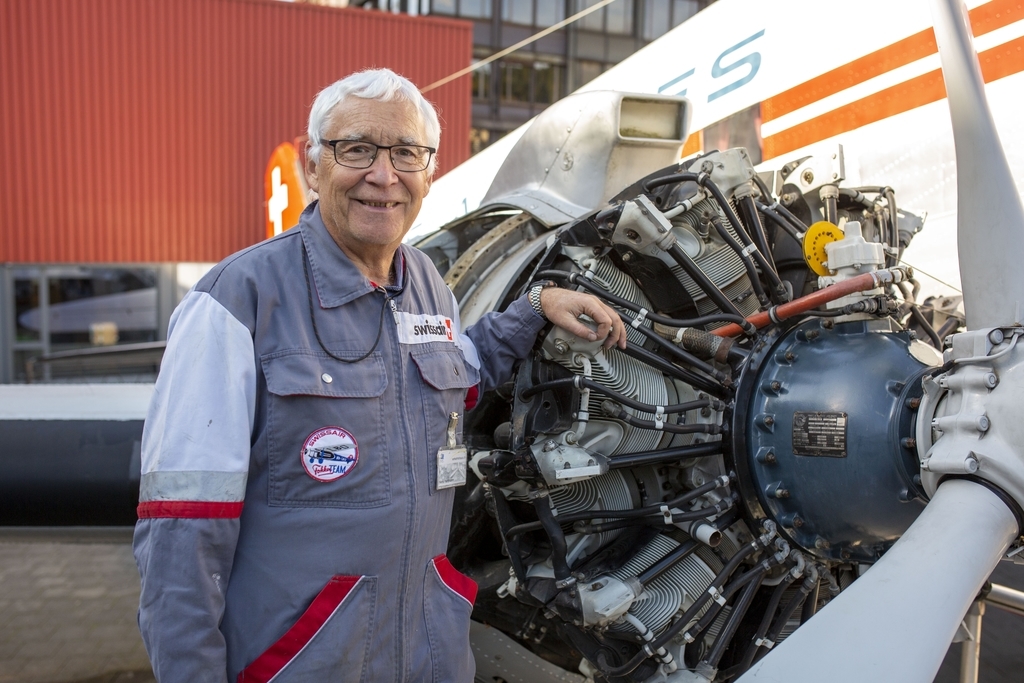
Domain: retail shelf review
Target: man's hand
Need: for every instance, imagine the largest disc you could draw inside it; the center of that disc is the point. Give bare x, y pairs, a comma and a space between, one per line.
563, 307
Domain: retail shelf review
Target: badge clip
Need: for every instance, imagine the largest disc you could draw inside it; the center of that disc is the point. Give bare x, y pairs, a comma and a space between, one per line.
452, 459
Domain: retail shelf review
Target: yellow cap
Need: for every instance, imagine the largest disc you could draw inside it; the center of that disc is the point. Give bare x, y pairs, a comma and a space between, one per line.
815, 239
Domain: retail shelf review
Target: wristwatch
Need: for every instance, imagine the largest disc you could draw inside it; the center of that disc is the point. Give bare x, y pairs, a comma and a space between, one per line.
534, 297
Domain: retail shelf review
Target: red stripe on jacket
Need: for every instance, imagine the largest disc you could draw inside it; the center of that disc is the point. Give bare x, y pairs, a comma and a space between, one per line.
189, 509
458, 582
278, 655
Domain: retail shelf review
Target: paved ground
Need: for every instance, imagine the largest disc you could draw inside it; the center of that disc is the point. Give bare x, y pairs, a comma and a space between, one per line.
67, 609
68, 603
1002, 639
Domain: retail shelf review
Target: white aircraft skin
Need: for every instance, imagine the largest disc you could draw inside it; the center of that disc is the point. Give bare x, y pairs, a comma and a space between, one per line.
737, 53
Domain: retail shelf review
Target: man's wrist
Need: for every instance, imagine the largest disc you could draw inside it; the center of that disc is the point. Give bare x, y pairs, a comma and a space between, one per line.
534, 297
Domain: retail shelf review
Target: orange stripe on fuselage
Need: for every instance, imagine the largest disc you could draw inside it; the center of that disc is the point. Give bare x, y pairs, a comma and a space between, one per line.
984, 19
898, 54
998, 62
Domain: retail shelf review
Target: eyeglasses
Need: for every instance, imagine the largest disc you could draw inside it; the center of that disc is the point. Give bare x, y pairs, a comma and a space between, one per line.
359, 154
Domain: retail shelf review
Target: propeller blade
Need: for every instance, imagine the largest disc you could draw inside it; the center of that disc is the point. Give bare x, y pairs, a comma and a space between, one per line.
895, 623
990, 220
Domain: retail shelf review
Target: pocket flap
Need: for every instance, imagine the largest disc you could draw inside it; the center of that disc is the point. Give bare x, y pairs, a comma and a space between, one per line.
340, 618
454, 580
446, 369
307, 373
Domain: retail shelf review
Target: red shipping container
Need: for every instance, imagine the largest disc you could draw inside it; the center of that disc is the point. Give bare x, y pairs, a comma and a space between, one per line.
139, 130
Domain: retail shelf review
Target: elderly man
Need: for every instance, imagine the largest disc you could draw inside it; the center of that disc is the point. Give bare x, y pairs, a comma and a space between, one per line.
301, 450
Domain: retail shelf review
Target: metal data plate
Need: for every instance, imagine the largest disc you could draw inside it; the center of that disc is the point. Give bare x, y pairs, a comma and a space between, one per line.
820, 434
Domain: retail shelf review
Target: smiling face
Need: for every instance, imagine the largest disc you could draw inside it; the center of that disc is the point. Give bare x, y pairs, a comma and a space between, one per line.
369, 210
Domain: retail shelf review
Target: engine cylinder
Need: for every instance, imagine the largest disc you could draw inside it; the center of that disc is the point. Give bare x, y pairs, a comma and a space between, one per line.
823, 436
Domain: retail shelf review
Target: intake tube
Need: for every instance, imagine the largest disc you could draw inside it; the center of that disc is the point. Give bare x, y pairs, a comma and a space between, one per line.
777, 314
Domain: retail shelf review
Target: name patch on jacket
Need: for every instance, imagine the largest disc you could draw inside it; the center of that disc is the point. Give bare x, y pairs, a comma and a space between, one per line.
329, 453
419, 328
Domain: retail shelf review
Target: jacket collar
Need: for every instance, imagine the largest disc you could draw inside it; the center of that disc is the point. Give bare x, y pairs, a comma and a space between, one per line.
336, 278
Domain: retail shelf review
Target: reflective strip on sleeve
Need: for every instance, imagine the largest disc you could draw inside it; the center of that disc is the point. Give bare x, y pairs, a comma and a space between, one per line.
211, 487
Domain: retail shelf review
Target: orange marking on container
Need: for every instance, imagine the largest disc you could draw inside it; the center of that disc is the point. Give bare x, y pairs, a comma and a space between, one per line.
284, 189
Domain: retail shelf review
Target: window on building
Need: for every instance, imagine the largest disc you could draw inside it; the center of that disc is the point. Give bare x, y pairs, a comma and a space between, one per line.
662, 15
442, 7
102, 307
588, 70
619, 17
479, 138
479, 9
26, 298
550, 12
482, 83
517, 11
515, 81
657, 18
67, 310
616, 17
683, 10
593, 21
547, 82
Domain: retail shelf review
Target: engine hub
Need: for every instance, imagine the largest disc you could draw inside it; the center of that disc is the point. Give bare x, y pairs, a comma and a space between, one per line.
824, 439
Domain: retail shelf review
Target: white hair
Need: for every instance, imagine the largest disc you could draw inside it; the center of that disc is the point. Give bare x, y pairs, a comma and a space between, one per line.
383, 85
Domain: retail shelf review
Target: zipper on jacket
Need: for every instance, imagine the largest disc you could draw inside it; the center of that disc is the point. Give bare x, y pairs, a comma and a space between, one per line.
401, 662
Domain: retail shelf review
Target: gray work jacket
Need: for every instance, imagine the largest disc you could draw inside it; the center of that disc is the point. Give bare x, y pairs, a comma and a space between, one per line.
290, 525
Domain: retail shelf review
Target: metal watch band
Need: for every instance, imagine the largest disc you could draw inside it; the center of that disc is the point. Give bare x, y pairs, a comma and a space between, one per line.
534, 297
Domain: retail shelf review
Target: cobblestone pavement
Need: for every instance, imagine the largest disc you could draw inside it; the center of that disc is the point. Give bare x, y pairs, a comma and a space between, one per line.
68, 600
67, 609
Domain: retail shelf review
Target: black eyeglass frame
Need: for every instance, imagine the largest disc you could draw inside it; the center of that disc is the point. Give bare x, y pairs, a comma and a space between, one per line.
431, 151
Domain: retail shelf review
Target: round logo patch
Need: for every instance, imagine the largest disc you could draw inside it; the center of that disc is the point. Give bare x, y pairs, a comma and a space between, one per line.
329, 453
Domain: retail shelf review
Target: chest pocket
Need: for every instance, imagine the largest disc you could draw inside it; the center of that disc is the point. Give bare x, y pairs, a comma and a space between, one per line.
327, 445
446, 378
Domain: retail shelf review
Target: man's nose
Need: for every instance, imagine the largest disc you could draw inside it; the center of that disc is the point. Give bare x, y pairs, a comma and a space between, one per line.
382, 171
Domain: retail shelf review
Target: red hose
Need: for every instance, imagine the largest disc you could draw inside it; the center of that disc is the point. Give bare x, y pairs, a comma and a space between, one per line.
813, 300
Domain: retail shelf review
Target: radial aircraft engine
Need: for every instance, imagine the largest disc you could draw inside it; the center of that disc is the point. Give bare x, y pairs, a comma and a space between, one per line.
784, 412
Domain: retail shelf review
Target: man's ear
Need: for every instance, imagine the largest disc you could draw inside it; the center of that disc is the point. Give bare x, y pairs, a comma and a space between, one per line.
312, 170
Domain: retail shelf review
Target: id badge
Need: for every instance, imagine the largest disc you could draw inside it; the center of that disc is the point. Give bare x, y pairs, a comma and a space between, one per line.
451, 460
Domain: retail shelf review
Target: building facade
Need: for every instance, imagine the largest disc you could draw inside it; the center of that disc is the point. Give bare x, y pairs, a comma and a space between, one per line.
512, 90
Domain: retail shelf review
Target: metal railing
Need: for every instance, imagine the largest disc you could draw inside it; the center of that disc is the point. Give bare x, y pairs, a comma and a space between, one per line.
140, 361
